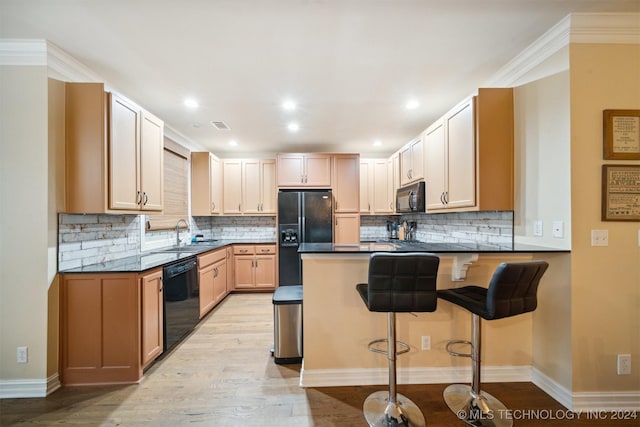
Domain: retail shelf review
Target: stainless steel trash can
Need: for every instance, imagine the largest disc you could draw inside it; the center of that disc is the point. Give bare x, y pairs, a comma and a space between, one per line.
287, 324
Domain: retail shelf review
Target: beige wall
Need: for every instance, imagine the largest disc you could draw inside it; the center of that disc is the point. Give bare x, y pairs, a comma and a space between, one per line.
605, 280
24, 234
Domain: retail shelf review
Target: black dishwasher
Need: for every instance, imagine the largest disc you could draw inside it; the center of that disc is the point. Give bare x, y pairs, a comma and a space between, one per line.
181, 300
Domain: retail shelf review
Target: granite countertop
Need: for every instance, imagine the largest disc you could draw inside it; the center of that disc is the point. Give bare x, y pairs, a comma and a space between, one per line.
160, 257
406, 246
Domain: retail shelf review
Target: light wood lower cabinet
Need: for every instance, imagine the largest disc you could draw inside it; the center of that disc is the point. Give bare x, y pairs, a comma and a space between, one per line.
100, 335
212, 279
152, 316
254, 266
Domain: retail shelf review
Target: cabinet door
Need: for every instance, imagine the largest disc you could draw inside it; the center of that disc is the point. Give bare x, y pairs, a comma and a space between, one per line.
317, 170
220, 281
395, 160
346, 187
290, 170
244, 271
436, 158
265, 271
205, 283
417, 159
230, 269
124, 138
152, 306
268, 189
232, 181
382, 201
151, 155
215, 184
366, 185
405, 165
251, 186
347, 228
100, 329
461, 173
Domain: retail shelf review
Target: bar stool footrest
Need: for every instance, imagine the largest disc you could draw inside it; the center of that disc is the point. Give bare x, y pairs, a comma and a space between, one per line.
455, 353
372, 346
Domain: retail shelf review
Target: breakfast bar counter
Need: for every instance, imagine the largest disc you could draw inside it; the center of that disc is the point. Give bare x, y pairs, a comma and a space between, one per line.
338, 326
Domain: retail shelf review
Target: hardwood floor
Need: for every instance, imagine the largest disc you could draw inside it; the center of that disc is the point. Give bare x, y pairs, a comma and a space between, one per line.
223, 375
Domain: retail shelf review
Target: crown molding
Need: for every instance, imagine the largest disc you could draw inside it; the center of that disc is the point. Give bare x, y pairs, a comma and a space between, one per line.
65, 67
606, 28
29, 52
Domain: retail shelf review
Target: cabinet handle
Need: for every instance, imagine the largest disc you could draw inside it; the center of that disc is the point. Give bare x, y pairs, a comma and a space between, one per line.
146, 199
139, 198
213, 206
264, 250
442, 197
369, 207
160, 290
446, 197
239, 207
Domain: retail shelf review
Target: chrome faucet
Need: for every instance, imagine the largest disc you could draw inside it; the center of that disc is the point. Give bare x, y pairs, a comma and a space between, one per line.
178, 230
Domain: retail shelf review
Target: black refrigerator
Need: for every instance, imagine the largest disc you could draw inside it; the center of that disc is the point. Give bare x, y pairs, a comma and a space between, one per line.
303, 217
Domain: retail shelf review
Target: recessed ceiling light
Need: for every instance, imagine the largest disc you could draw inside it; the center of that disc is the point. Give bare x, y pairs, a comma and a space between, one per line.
289, 105
293, 127
412, 104
377, 143
191, 103
233, 143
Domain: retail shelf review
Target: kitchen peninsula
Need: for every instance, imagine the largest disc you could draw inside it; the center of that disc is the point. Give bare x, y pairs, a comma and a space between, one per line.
338, 326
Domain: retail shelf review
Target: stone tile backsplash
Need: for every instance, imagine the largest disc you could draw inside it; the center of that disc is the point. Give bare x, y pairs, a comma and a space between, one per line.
491, 228
92, 239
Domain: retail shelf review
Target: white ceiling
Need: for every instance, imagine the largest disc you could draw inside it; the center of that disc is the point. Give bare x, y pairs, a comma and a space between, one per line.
351, 65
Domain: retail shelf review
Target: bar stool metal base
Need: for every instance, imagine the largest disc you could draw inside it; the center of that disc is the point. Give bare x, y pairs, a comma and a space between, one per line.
482, 411
379, 412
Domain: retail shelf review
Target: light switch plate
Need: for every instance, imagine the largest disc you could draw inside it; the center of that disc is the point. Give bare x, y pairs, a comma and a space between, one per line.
557, 229
537, 228
599, 237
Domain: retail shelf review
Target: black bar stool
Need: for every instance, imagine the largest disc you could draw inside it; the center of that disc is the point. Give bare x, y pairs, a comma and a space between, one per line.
512, 291
398, 283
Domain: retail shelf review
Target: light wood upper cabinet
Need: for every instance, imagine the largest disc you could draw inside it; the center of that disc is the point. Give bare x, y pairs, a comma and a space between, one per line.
347, 228
378, 182
346, 187
259, 186
412, 162
366, 186
206, 184
304, 170
113, 153
152, 316
151, 161
469, 155
232, 187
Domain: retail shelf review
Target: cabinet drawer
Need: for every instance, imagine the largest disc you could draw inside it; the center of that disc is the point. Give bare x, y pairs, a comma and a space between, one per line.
265, 249
211, 257
244, 250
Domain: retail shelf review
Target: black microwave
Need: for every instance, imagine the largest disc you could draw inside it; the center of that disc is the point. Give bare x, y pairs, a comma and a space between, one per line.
411, 198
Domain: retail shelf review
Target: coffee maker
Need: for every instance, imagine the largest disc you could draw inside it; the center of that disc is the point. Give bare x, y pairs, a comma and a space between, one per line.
392, 230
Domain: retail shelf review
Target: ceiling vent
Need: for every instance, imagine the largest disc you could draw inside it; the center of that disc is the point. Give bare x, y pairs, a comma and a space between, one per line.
220, 125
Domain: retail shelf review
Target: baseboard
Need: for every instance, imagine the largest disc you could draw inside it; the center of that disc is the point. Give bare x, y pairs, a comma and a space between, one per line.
587, 401
53, 383
441, 375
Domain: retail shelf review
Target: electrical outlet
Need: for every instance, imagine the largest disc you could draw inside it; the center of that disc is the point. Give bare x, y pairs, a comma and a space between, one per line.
426, 342
557, 229
599, 237
23, 355
537, 228
624, 364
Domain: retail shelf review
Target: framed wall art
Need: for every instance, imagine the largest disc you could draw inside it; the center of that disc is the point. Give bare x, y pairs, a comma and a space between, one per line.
620, 192
621, 139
